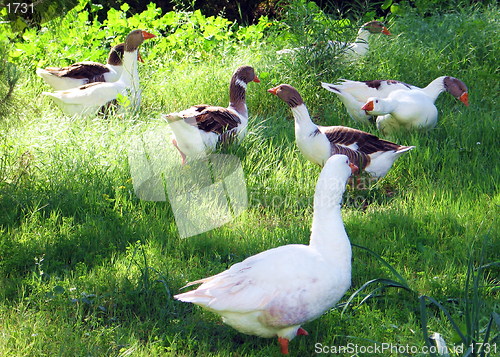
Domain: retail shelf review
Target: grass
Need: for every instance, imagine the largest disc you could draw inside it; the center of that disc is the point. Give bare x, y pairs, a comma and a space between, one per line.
87, 268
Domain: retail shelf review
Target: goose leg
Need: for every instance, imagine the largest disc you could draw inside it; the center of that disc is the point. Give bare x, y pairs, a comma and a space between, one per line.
284, 345
358, 183
284, 342
183, 156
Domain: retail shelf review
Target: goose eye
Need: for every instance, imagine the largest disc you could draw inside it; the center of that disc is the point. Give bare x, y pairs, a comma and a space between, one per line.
376, 101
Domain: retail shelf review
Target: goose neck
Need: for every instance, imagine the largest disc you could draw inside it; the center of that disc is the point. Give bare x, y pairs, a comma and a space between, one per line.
363, 36
237, 96
327, 200
130, 72
389, 105
303, 122
434, 88
328, 234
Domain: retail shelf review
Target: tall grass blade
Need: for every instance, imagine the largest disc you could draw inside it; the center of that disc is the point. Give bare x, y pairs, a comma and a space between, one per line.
423, 322
386, 284
496, 318
422, 298
468, 305
399, 277
487, 335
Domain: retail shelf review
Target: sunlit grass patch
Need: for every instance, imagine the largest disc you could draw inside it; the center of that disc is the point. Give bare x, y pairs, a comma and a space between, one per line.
86, 267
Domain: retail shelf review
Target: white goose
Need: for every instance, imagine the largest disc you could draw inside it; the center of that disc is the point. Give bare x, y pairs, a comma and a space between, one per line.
81, 73
402, 110
274, 292
351, 50
87, 99
318, 143
200, 128
354, 94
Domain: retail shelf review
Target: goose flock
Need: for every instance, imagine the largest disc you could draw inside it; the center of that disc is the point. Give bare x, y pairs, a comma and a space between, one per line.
395, 105
78, 74
99, 89
273, 293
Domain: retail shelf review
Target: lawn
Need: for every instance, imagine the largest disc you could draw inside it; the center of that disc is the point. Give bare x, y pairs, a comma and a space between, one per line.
88, 268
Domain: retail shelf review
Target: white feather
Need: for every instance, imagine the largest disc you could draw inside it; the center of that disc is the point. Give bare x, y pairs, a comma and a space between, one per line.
404, 109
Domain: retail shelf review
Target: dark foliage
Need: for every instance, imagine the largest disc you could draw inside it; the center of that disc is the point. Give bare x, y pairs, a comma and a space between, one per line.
245, 12
36, 12
241, 11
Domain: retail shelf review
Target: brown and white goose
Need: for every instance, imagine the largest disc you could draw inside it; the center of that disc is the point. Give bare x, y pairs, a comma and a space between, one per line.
200, 128
89, 98
81, 73
351, 50
318, 143
354, 94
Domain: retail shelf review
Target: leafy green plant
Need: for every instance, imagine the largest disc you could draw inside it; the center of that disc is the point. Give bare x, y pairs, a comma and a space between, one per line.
85, 37
475, 339
305, 24
145, 283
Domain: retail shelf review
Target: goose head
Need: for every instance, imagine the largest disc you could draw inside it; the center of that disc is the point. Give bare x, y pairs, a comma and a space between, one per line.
456, 88
332, 181
288, 94
244, 75
135, 39
238, 86
339, 167
375, 27
376, 106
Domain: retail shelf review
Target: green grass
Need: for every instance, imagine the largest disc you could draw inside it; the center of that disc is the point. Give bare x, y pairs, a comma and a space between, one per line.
86, 268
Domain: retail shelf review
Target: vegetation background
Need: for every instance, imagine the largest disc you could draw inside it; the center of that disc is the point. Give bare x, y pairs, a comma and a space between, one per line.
87, 268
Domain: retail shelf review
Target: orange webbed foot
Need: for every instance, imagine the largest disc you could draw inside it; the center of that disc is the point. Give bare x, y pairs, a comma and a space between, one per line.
283, 345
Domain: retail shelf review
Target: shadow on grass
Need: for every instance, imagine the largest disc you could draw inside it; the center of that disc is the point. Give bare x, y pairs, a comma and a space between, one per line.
86, 221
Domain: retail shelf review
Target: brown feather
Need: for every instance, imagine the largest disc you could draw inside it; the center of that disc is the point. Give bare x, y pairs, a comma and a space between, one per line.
378, 82
367, 143
92, 70
88, 85
358, 158
215, 119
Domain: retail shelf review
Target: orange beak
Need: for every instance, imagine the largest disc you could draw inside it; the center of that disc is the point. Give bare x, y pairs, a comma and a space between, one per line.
256, 79
273, 90
464, 98
368, 106
354, 168
139, 58
385, 31
147, 35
